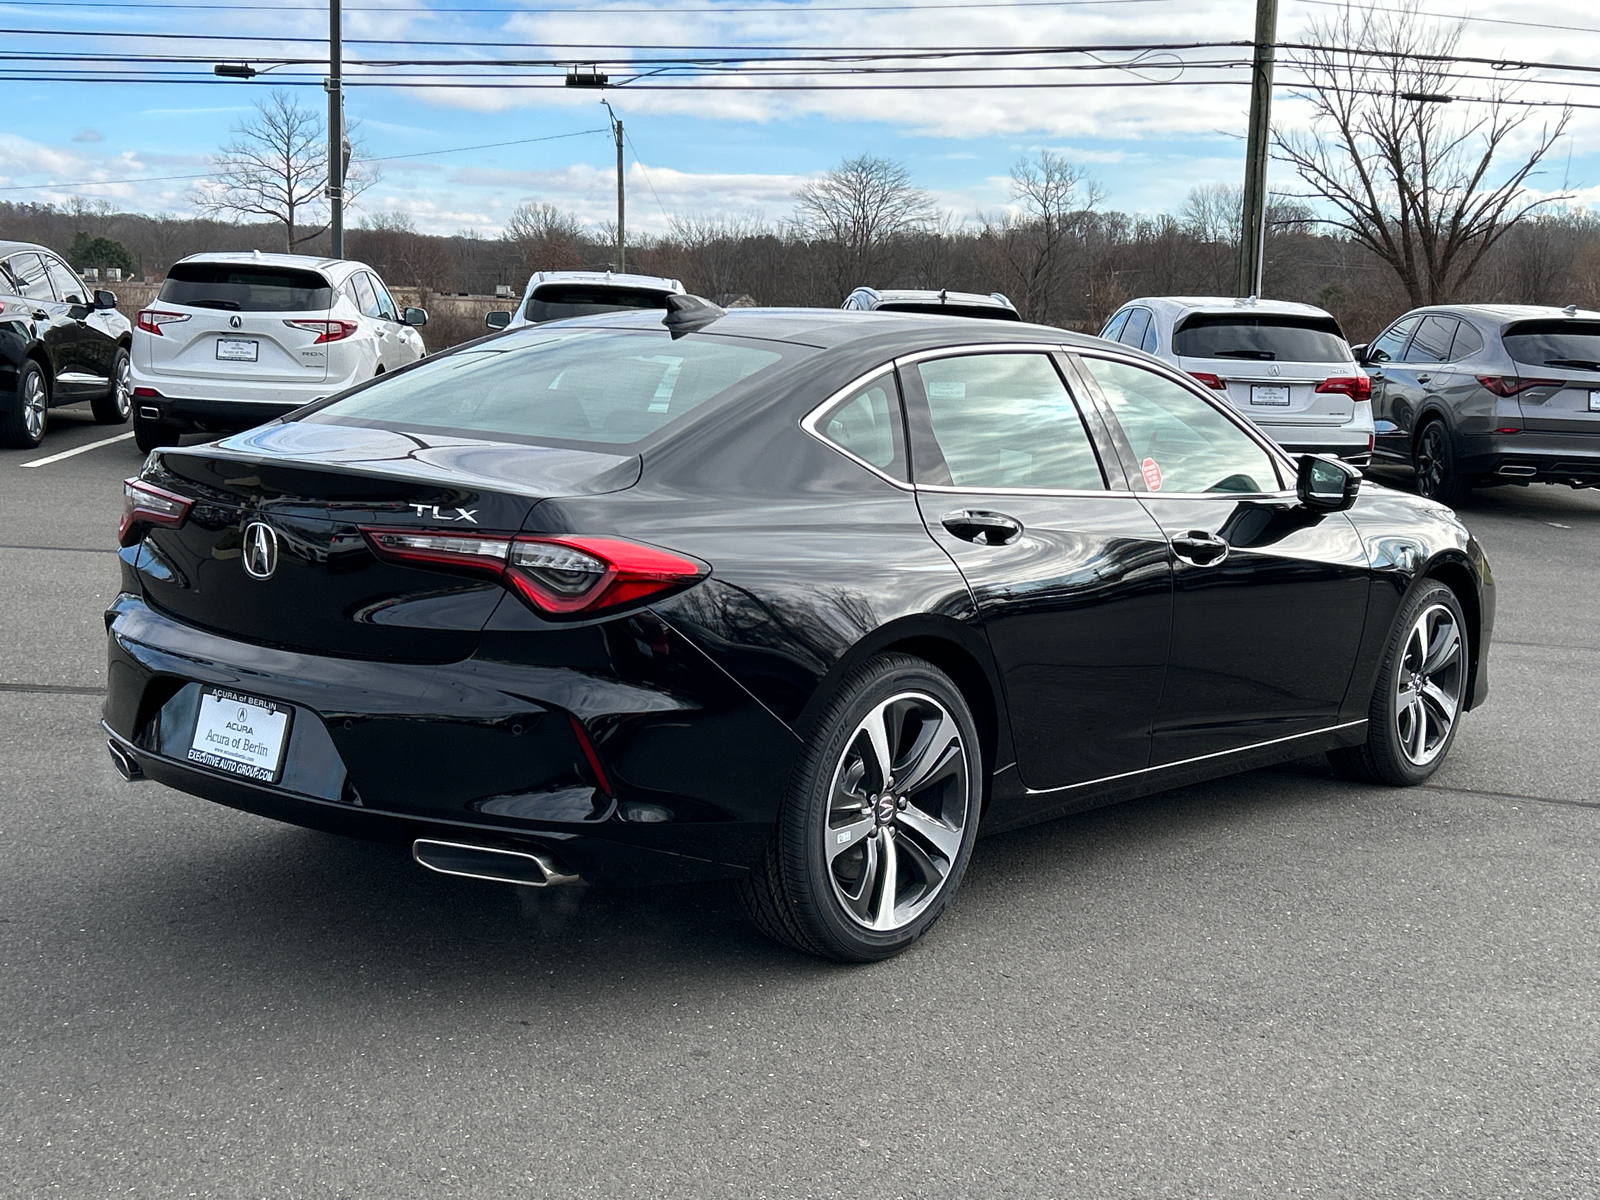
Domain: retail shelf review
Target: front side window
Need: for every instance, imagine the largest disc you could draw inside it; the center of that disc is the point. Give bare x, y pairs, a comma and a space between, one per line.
1431, 343
575, 385
67, 287
1114, 326
366, 298
386, 308
867, 424
1391, 343
1180, 442
1133, 332
559, 301
1261, 337
1006, 421
32, 282
246, 287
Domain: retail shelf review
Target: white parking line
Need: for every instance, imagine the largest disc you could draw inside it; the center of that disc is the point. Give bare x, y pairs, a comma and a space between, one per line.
45, 462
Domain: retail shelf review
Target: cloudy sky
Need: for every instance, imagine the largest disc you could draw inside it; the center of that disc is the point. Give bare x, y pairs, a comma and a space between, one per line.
710, 144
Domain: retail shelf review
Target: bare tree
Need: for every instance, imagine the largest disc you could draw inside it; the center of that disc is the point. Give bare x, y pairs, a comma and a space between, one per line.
858, 210
276, 168
1428, 192
1053, 198
545, 238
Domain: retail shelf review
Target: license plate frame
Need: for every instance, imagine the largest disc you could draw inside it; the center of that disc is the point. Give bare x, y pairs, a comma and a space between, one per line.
241, 735
1275, 395
235, 350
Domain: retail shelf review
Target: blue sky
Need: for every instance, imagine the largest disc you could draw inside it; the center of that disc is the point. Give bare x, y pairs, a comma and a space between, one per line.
698, 153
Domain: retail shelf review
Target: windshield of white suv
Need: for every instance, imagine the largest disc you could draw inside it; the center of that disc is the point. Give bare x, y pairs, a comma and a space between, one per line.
1261, 337
245, 287
558, 301
1558, 343
569, 385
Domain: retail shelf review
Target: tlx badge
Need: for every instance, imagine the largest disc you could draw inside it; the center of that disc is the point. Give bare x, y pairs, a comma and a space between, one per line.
461, 514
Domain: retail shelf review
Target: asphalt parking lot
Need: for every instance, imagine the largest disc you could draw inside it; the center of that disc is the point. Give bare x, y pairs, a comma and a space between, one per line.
1274, 985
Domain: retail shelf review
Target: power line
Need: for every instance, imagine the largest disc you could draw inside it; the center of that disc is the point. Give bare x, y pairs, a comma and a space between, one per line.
1455, 16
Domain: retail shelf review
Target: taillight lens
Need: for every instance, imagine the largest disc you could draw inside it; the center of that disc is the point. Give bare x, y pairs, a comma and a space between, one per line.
145, 504
152, 319
552, 575
1357, 387
326, 331
1510, 385
1214, 382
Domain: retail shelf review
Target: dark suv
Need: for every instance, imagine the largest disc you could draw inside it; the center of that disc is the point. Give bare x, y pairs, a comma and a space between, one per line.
1479, 394
59, 344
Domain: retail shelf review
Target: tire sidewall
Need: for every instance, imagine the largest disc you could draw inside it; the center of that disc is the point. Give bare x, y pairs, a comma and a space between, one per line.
807, 879
1449, 481
1384, 738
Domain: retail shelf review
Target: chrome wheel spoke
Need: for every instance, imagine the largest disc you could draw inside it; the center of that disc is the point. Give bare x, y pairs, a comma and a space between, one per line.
888, 884
1442, 704
933, 753
876, 727
847, 837
941, 837
1443, 649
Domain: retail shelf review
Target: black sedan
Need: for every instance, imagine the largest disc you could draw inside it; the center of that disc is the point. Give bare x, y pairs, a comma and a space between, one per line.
798, 598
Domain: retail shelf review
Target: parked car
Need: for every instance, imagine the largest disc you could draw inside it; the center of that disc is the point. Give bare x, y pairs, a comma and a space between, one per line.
60, 343
632, 599
559, 295
943, 302
1287, 366
236, 339
1477, 394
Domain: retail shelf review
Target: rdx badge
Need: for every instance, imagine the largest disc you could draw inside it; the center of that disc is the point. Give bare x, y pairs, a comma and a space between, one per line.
462, 514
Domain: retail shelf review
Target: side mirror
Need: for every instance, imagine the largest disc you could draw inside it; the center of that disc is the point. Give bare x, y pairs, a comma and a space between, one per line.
1360, 352
105, 300
497, 319
1324, 484
415, 317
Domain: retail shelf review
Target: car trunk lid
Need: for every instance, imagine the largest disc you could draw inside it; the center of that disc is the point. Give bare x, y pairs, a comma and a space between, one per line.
1558, 364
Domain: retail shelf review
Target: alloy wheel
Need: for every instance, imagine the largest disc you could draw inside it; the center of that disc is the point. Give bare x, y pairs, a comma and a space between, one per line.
897, 811
124, 388
1429, 683
1431, 460
35, 400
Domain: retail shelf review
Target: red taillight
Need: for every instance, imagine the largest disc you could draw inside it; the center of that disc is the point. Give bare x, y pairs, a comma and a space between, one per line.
591, 755
152, 319
142, 393
145, 504
1510, 385
561, 575
1508, 429
1357, 387
326, 331
1214, 382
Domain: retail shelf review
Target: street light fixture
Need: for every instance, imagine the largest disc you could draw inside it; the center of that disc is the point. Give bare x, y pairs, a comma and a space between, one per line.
235, 71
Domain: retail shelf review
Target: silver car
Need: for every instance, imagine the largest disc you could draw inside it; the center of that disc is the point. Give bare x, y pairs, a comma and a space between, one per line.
1286, 366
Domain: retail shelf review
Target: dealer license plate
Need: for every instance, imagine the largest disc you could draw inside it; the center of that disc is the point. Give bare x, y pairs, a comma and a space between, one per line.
1269, 395
238, 349
240, 735
1594, 401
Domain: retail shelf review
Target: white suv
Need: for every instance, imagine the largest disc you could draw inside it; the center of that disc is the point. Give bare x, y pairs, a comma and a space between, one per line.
1286, 366
557, 295
233, 340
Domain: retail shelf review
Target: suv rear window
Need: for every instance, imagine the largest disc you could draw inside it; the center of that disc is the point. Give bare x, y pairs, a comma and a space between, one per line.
1261, 338
557, 302
243, 287
953, 310
1557, 343
571, 385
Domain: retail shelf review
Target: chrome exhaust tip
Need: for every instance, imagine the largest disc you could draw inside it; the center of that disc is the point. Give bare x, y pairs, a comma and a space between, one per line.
1517, 471
126, 767
529, 868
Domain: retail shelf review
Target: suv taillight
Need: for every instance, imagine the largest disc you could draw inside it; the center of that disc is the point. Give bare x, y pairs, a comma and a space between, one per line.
145, 504
1214, 382
564, 576
1510, 385
326, 331
152, 319
1357, 387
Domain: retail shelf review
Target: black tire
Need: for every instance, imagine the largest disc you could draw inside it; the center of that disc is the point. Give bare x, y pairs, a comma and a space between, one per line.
25, 414
920, 839
153, 435
1434, 458
115, 406
1385, 757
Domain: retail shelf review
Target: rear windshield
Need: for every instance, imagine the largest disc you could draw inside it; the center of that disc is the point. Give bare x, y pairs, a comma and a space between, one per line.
1573, 344
573, 385
1261, 338
953, 310
242, 287
556, 302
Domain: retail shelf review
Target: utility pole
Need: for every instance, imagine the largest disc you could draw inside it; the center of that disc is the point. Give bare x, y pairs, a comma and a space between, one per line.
336, 164
622, 259
1253, 234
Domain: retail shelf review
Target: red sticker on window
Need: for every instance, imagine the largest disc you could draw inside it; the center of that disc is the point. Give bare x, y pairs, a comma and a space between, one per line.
1152, 474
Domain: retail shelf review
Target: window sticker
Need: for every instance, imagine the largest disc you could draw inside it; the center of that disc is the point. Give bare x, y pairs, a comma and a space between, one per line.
947, 389
1152, 474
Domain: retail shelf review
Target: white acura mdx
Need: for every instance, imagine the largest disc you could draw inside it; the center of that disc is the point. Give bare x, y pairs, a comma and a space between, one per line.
236, 339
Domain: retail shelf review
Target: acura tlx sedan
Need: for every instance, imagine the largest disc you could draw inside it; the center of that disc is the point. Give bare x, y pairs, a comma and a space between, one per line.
798, 598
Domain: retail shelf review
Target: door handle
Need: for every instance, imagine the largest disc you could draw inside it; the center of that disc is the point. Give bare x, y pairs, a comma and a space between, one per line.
1424, 378
1200, 548
983, 528
1371, 374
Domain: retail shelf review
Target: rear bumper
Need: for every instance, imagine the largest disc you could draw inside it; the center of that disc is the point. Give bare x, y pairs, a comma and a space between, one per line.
1350, 443
221, 415
1532, 457
218, 404
476, 751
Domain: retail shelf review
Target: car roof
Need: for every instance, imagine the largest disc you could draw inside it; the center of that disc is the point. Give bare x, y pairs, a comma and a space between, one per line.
935, 296
12, 247
1186, 305
1507, 313
304, 262
658, 282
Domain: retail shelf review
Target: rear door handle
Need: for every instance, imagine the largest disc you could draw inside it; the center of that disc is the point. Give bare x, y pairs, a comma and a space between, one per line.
1424, 378
983, 528
1200, 548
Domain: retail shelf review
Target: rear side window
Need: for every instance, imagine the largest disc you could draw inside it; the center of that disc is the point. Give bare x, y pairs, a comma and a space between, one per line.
1006, 421
577, 385
1558, 343
558, 301
245, 287
1261, 337
1432, 341
867, 425
1467, 342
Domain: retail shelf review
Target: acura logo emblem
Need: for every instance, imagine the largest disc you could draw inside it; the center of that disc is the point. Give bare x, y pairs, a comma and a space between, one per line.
260, 550
236, 322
